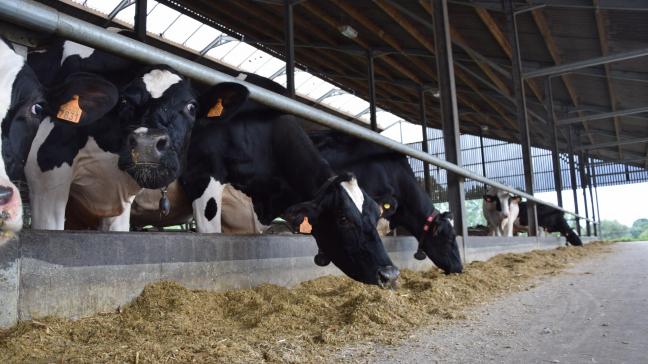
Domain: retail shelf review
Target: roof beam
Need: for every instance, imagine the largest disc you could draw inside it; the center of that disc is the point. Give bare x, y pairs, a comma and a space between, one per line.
611, 144
423, 40
601, 17
543, 26
606, 115
501, 39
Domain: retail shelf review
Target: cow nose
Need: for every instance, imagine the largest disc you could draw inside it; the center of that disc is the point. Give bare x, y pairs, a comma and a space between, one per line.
6, 193
148, 146
387, 276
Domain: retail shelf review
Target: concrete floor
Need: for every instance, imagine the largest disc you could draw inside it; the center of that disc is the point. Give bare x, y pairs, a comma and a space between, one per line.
596, 312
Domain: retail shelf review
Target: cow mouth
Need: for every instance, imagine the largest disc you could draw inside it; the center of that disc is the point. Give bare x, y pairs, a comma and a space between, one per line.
387, 277
150, 175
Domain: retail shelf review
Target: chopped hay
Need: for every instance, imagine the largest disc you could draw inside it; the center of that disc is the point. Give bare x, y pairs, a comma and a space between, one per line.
169, 323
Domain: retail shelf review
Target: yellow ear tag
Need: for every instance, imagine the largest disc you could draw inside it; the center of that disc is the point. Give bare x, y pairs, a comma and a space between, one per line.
216, 110
70, 111
386, 206
305, 227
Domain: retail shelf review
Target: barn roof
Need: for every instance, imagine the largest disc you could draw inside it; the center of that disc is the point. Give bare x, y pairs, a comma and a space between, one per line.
399, 35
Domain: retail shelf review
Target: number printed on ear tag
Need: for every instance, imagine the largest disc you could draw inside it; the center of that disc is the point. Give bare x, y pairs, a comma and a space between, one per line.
70, 111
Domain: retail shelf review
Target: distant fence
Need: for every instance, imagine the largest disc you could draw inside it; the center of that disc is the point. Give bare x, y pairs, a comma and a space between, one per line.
503, 163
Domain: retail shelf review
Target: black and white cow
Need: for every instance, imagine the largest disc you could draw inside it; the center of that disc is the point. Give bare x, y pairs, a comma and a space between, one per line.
388, 178
500, 210
550, 219
22, 107
123, 141
266, 154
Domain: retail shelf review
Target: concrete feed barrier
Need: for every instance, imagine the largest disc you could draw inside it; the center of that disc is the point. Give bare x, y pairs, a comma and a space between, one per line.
75, 274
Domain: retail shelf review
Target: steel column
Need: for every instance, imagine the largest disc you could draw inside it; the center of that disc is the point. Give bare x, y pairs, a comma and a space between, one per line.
598, 212
481, 150
591, 193
572, 174
521, 112
290, 48
555, 154
372, 93
449, 114
140, 20
39, 17
424, 145
583, 178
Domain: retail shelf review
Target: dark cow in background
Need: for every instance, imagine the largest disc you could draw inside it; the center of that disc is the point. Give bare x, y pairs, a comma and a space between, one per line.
265, 153
550, 219
388, 178
110, 145
22, 107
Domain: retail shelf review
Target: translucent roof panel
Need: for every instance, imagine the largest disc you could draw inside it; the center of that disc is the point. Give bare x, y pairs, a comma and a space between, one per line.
160, 18
181, 29
385, 118
127, 15
222, 50
270, 67
239, 54
102, 6
320, 90
202, 38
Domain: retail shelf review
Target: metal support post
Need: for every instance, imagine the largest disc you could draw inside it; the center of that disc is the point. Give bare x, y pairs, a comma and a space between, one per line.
598, 212
521, 113
572, 174
449, 114
591, 193
290, 48
140, 20
583, 178
424, 145
481, 150
555, 154
372, 96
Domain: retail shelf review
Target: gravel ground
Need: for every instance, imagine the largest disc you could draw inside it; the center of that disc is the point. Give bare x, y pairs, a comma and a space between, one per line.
596, 312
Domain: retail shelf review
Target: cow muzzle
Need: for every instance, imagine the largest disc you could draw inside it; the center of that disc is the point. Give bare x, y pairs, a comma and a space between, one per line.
387, 276
147, 146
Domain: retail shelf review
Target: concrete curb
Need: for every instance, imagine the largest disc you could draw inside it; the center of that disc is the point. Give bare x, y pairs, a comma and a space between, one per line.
75, 274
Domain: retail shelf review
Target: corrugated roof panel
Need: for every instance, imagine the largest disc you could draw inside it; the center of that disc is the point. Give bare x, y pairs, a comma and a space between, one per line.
181, 29
202, 38
159, 19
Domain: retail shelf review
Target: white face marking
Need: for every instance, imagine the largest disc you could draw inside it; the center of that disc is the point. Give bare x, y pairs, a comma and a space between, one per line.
158, 81
10, 65
355, 193
75, 49
140, 130
242, 76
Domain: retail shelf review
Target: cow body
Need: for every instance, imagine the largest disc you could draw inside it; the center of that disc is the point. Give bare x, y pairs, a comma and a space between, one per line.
265, 154
550, 219
22, 108
500, 210
100, 165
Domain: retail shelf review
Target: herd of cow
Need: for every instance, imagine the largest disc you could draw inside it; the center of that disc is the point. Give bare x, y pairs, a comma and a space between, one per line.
108, 144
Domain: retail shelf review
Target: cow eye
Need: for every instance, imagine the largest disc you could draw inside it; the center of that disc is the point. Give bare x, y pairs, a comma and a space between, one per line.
37, 109
343, 220
191, 108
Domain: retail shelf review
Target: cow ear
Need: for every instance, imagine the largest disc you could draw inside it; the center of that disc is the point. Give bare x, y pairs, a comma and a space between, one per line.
516, 198
222, 101
82, 99
301, 216
387, 204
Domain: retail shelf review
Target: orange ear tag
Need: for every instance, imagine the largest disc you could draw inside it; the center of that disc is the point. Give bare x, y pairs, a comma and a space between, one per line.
70, 111
305, 227
216, 110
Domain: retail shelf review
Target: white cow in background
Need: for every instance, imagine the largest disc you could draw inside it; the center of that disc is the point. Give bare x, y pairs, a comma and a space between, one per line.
500, 209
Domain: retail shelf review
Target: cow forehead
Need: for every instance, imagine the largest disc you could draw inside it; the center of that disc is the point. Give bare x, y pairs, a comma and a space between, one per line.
355, 193
158, 81
75, 49
10, 65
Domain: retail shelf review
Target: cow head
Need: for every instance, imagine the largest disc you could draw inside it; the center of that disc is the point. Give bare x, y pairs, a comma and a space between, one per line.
500, 199
438, 241
343, 219
159, 109
22, 107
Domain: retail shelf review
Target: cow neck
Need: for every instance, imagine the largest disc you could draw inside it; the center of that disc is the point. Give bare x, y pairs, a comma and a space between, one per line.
301, 164
414, 209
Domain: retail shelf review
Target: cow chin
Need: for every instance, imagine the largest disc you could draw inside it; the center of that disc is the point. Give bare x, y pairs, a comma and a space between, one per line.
154, 175
444, 253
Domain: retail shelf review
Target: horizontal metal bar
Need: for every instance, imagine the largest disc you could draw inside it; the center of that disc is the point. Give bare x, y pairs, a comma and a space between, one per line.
606, 115
622, 161
40, 17
568, 67
611, 144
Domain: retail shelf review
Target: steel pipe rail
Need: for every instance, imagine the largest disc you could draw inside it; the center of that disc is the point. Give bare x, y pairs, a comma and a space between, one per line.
40, 17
